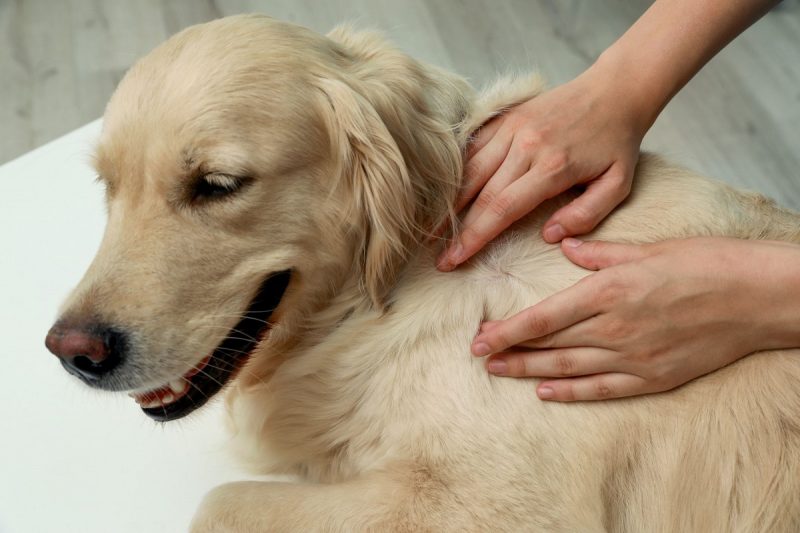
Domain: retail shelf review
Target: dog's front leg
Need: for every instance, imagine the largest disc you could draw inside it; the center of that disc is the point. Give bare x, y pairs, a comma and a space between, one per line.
253, 506
402, 500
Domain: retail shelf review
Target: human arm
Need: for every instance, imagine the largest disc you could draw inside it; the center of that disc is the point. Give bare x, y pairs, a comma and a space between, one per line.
652, 317
588, 131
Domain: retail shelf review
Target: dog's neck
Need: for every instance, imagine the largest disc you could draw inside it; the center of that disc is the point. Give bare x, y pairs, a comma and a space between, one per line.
314, 308
337, 290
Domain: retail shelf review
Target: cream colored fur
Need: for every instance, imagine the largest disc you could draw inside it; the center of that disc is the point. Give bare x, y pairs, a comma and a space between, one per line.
365, 388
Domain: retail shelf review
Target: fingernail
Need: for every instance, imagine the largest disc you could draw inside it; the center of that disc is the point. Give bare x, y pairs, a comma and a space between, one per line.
571, 242
480, 349
450, 259
455, 253
497, 367
545, 393
554, 233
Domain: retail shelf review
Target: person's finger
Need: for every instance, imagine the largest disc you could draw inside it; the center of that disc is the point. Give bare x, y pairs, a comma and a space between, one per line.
482, 166
559, 363
586, 211
513, 168
595, 387
483, 135
517, 200
489, 324
596, 255
582, 333
553, 314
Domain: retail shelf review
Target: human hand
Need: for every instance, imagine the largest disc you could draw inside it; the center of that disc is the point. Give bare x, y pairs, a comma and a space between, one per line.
652, 318
583, 132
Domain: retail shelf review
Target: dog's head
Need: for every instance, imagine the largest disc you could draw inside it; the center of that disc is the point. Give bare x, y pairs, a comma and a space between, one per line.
252, 170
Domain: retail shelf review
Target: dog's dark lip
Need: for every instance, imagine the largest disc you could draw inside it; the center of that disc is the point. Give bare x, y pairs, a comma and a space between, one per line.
230, 355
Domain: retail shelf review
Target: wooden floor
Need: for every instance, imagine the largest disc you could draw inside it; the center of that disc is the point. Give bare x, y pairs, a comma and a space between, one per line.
738, 120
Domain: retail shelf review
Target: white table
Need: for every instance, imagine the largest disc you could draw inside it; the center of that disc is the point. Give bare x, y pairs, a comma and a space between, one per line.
73, 459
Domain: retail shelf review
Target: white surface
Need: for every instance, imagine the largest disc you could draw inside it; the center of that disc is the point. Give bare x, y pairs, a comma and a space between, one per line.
73, 459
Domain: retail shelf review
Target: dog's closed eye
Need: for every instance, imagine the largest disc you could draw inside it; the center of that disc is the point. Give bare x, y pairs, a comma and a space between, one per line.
214, 186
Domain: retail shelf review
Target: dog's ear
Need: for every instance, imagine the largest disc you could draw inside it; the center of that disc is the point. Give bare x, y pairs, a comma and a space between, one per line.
375, 189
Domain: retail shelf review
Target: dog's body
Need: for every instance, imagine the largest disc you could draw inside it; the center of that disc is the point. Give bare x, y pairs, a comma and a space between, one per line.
365, 388
408, 432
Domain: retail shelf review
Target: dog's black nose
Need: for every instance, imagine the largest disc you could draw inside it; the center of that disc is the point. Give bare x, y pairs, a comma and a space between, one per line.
87, 352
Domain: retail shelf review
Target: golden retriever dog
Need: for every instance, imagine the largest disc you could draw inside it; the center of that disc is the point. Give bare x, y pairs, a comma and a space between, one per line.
271, 193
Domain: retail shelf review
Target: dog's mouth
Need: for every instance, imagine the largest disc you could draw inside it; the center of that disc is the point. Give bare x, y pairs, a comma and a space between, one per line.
182, 395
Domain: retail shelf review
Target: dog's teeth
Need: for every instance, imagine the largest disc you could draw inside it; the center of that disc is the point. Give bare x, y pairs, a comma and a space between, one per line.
169, 398
136, 397
178, 386
151, 405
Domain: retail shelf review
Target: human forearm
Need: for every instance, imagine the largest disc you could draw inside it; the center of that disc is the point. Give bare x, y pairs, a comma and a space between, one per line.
589, 131
668, 45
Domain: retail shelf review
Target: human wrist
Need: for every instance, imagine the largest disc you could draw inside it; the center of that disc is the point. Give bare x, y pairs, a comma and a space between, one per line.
631, 95
666, 47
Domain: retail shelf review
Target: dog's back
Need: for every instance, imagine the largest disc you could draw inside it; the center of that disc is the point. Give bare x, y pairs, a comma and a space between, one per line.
721, 453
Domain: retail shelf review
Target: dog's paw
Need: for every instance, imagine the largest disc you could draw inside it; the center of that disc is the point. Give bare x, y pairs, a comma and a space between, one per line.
223, 510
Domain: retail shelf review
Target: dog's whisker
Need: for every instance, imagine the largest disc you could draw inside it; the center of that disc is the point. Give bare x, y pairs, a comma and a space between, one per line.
234, 330
240, 317
233, 351
198, 389
230, 367
244, 370
245, 337
209, 376
222, 365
